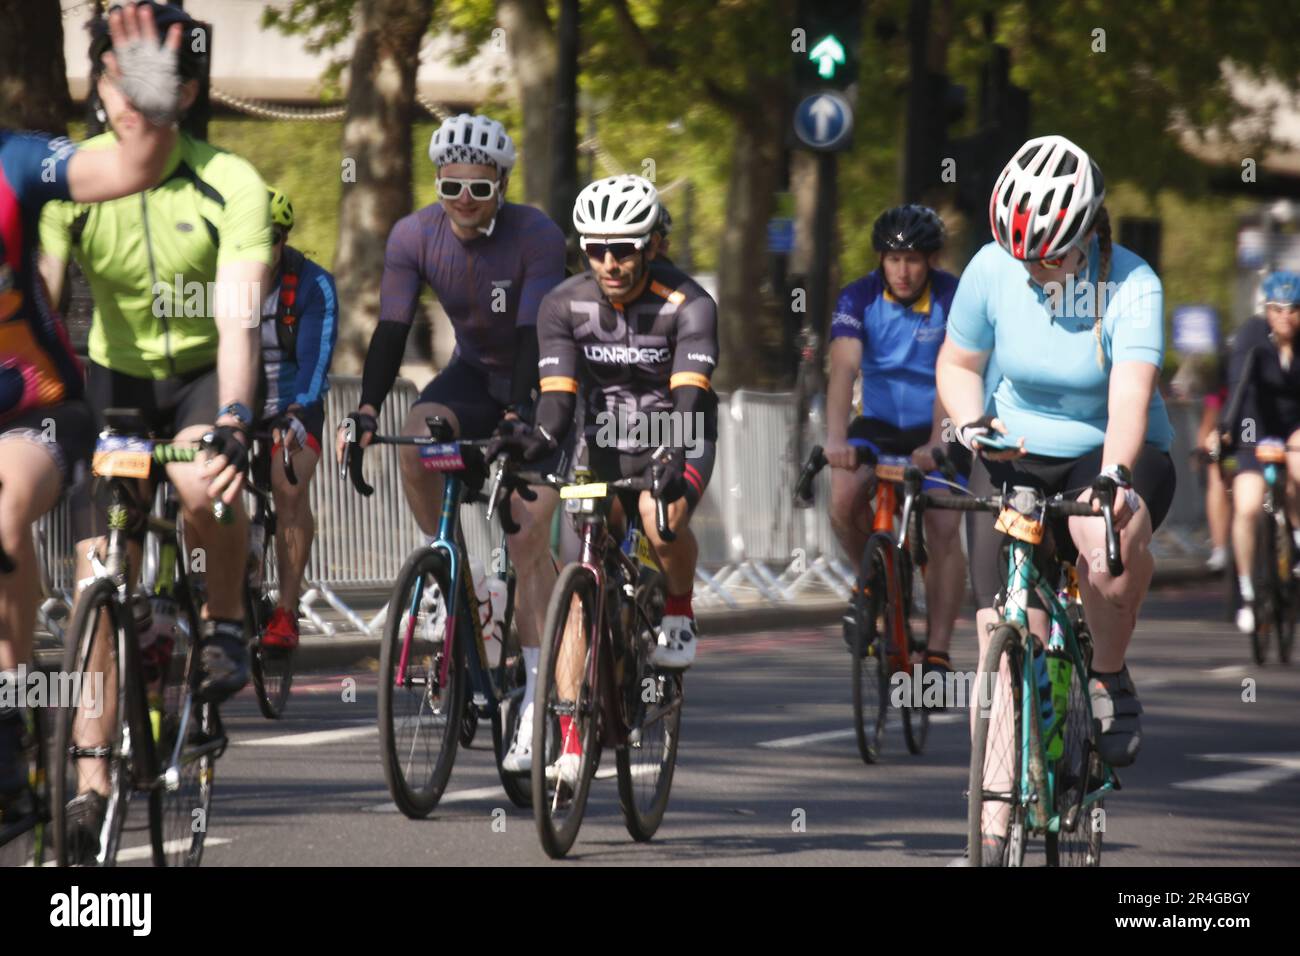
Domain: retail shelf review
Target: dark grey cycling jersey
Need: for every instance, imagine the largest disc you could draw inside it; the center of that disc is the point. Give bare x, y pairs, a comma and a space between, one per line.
629, 358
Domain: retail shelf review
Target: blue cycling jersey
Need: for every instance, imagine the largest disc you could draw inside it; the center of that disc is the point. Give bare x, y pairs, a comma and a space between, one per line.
1050, 387
900, 345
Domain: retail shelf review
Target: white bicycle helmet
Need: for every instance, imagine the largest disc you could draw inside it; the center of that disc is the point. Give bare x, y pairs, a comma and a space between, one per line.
624, 205
1046, 199
472, 139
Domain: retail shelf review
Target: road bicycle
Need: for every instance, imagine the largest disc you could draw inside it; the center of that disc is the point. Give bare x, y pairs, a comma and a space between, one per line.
877, 623
435, 677
135, 725
597, 685
1035, 766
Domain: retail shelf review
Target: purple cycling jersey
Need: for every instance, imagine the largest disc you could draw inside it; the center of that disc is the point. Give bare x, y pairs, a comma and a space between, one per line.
488, 286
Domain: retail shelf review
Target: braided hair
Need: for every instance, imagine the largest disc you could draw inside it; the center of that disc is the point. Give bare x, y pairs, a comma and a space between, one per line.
1104, 250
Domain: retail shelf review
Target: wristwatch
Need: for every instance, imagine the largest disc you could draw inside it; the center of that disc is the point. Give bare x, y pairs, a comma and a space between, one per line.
238, 411
1120, 474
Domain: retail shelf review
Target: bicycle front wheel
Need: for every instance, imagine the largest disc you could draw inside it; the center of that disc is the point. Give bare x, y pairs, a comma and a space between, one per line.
505, 718
1078, 773
1284, 601
1266, 586
94, 748
24, 820
994, 806
272, 667
652, 703
421, 686
871, 615
566, 733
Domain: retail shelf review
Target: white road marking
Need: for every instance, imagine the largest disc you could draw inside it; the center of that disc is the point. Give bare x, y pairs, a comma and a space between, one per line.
1271, 768
486, 793
313, 738
785, 743
127, 854
1232, 670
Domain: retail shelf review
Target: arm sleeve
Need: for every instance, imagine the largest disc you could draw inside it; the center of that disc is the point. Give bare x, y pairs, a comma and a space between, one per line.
383, 361
318, 330
399, 289
556, 367
523, 378
969, 324
695, 353
1136, 317
37, 168
245, 226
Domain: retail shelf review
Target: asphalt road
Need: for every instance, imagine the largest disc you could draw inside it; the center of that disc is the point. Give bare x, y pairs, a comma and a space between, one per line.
769, 774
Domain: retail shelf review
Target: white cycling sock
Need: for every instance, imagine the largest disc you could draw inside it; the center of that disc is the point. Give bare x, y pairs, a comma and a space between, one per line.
1246, 586
532, 657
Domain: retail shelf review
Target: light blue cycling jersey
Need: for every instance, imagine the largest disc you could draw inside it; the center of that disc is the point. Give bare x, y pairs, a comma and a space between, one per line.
1050, 389
900, 344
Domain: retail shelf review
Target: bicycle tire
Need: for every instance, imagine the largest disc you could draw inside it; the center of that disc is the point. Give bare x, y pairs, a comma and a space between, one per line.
180, 802
505, 719
1004, 708
468, 723
272, 667
870, 666
1077, 842
25, 829
646, 763
916, 720
558, 807
417, 792
1263, 576
84, 642
1284, 600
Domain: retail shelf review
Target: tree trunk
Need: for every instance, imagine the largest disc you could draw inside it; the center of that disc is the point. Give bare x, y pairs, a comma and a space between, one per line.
532, 54
33, 75
376, 163
746, 317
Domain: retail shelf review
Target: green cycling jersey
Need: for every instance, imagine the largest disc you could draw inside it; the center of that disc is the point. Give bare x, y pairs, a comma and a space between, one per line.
151, 258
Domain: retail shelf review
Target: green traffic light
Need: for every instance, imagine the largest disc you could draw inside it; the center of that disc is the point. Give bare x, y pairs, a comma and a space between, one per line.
828, 53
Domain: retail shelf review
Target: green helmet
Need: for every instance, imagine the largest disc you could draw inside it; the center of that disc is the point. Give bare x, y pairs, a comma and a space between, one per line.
281, 209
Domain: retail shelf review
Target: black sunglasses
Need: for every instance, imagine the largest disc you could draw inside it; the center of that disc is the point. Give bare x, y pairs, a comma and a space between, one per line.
619, 250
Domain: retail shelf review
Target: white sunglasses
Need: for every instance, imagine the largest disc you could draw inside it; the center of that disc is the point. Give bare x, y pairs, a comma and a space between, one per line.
479, 189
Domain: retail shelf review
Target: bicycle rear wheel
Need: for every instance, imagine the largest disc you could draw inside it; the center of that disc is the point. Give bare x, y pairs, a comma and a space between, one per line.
1284, 601
188, 739
1264, 575
94, 746
869, 649
272, 667
994, 806
420, 714
24, 821
1078, 839
505, 719
652, 705
916, 720
567, 713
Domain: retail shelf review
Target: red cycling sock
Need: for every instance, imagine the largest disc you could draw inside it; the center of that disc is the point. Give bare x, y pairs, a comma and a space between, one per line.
679, 605
569, 735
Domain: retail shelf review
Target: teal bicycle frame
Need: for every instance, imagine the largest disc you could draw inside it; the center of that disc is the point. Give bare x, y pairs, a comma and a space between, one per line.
1023, 576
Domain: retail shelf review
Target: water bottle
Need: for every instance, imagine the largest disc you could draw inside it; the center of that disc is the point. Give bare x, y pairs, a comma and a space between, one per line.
1044, 687
256, 550
1060, 669
479, 579
494, 637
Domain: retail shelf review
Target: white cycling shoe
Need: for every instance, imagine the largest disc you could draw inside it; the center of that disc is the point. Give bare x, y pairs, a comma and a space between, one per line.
677, 640
519, 758
1246, 619
565, 770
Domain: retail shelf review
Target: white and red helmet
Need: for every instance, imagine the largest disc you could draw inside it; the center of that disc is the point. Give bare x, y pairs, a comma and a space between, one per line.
1046, 199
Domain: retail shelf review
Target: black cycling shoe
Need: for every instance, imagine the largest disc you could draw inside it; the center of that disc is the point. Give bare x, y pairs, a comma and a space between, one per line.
1116, 716
936, 662
13, 768
85, 816
223, 662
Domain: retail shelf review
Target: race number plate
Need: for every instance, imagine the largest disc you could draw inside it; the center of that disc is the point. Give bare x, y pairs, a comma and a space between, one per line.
1021, 527
441, 457
117, 456
595, 490
1270, 451
891, 467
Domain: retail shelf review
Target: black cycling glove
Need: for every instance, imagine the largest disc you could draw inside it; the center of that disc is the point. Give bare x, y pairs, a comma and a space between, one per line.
522, 442
224, 440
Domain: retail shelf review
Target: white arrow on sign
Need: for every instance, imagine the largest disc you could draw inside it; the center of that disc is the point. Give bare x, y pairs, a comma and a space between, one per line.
823, 111
1271, 769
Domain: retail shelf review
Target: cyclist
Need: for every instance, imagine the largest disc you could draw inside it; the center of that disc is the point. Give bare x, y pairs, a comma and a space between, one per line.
177, 276
299, 329
1264, 382
1075, 325
889, 325
45, 427
640, 339
489, 262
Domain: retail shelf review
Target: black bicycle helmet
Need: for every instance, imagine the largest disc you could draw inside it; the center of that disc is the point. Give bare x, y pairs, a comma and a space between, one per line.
194, 40
908, 227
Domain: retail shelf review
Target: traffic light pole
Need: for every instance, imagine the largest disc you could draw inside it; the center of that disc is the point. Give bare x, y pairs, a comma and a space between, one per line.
819, 293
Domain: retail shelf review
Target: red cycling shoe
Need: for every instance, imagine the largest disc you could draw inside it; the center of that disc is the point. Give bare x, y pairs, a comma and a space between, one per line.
281, 631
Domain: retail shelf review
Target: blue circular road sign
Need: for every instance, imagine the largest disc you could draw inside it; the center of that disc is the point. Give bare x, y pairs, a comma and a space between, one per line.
823, 120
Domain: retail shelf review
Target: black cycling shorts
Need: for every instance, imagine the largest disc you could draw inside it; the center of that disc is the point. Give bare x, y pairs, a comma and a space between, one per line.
475, 396
66, 431
168, 405
1153, 480
610, 464
893, 440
